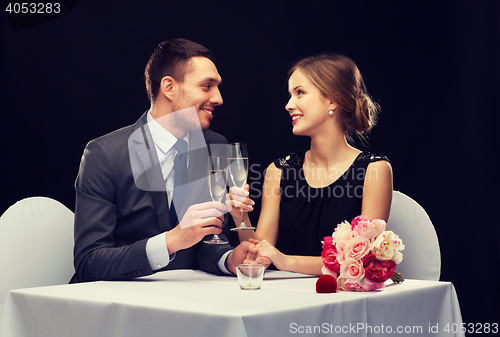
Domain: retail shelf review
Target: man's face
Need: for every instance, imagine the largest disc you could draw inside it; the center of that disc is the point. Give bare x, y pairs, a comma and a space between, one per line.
200, 89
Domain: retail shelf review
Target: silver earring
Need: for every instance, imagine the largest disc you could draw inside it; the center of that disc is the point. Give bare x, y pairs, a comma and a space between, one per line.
330, 112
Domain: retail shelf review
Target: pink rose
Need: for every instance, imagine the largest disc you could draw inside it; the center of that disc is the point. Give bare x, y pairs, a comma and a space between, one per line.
357, 247
369, 285
346, 285
352, 270
359, 222
327, 242
341, 247
327, 271
329, 255
369, 229
377, 227
377, 270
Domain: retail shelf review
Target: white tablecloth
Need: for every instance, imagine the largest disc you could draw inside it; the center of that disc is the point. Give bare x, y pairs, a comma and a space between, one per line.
194, 303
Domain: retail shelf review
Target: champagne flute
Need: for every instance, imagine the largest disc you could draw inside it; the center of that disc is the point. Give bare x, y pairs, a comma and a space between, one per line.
238, 167
217, 181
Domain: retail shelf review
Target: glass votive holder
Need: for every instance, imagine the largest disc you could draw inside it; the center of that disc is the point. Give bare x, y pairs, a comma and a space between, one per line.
250, 276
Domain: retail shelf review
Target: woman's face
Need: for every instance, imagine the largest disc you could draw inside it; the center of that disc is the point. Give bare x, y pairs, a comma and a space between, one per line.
307, 106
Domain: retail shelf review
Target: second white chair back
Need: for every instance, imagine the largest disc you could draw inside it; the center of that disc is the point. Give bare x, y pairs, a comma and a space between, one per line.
36, 245
421, 256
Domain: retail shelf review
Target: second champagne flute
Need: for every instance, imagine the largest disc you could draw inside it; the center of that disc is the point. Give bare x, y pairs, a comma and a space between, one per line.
238, 168
217, 181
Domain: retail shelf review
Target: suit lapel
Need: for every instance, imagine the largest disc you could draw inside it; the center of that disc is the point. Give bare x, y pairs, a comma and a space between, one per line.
147, 171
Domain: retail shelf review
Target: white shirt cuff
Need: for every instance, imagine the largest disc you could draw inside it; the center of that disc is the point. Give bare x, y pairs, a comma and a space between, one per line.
222, 263
157, 252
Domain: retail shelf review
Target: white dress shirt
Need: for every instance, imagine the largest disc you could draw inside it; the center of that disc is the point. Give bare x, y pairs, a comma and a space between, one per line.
156, 247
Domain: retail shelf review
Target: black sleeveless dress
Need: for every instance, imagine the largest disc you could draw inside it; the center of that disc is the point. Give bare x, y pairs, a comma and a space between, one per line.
308, 214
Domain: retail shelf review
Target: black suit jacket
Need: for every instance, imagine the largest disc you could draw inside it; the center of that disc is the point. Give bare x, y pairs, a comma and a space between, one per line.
121, 202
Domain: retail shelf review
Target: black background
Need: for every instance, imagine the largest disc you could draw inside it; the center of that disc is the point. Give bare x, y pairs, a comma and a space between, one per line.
432, 65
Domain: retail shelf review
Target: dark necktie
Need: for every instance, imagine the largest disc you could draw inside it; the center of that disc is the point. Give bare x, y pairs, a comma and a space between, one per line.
180, 179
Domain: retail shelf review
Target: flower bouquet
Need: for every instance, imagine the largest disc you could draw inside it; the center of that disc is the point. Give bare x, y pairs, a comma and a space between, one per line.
361, 255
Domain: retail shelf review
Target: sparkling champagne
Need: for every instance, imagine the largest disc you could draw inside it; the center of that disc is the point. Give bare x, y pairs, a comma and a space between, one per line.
217, 184
238, 167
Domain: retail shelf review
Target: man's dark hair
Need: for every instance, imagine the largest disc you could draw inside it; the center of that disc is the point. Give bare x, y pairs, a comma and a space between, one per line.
171, 58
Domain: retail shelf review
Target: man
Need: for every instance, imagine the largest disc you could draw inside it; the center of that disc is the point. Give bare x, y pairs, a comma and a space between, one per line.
128, 222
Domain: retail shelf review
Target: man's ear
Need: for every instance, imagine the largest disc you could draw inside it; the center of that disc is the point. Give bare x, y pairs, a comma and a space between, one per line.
167, 87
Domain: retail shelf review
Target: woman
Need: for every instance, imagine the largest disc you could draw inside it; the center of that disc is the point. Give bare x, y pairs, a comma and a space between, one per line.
305, 195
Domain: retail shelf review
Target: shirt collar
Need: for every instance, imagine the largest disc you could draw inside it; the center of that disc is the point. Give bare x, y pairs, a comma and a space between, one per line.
163, 139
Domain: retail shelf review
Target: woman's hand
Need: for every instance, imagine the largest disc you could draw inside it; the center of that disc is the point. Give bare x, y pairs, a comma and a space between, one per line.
269, 252
245, 253
238, 200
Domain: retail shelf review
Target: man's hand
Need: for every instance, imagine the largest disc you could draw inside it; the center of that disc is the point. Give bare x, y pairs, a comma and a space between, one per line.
267, 254
242, 253
200, 220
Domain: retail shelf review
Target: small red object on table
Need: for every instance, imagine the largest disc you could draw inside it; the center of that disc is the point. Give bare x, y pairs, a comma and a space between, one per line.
326, 284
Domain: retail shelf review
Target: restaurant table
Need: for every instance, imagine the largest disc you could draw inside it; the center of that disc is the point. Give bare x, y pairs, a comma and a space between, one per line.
194, 303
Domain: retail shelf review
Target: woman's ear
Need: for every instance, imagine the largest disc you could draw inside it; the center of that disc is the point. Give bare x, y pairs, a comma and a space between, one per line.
167, 87
333, 105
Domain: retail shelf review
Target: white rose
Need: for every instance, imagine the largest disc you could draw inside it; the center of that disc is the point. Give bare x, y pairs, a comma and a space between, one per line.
343, 231
387, 246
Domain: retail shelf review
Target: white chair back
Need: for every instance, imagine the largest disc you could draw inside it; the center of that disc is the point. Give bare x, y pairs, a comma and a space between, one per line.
36, 245
421, 256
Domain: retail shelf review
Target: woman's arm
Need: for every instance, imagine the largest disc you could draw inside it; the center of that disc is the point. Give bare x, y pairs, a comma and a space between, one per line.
377, 197
310, 265
267, 228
